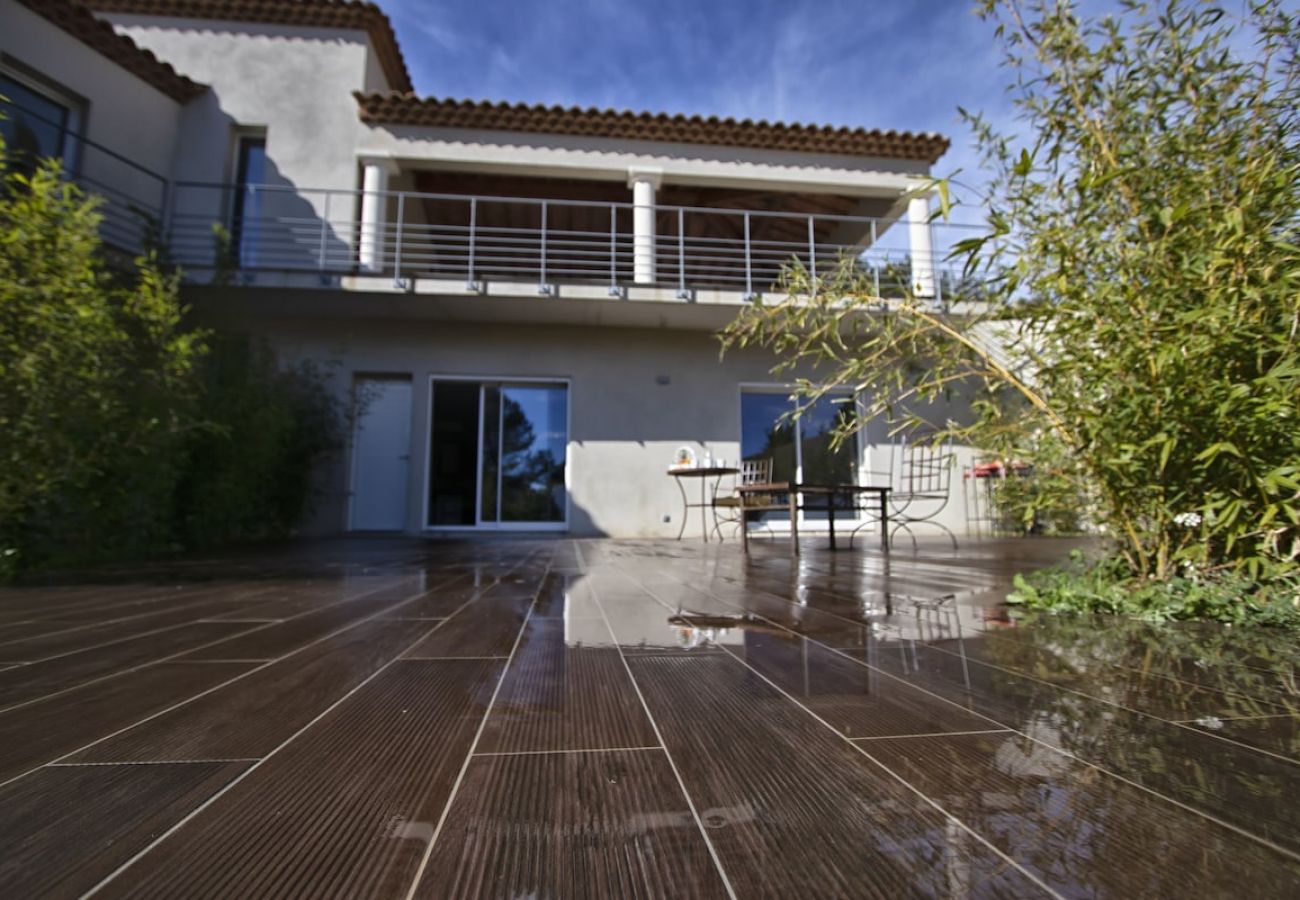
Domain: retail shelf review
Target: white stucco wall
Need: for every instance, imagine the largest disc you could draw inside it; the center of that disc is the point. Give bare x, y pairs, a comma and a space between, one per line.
295, 82
123, 113
624, 425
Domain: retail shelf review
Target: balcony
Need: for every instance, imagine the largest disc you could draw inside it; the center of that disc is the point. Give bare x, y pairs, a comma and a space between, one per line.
461, 242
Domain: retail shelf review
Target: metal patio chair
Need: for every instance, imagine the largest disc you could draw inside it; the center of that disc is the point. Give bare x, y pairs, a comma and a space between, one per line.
726, 506
923, 490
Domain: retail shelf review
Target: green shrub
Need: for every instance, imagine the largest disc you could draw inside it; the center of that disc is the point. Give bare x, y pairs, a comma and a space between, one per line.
250, 466
95, 382
1107, 587
124, 432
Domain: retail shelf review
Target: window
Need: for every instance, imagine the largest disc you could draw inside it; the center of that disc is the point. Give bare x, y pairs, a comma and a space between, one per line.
800, 449
36, 125
246, 214
497, 453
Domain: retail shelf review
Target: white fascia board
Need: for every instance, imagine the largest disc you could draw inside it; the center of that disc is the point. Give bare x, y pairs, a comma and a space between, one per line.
567, 156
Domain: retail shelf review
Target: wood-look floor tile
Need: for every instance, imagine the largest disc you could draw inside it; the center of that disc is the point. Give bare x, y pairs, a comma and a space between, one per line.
562, 694
43, 731
275, 641
486, 627
1276, 734
1148, 693
31, 682
1248, 789
256, 714
854, 699
346, 809
795, 810
1083, 833
605, 824
70, 641
63, 828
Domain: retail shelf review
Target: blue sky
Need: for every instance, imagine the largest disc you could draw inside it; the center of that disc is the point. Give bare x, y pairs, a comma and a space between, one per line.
904, 64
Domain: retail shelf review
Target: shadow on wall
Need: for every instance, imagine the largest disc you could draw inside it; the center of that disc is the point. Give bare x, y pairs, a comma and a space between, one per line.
226, 233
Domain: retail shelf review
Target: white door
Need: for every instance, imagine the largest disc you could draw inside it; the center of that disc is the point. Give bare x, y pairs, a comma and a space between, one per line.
381, 454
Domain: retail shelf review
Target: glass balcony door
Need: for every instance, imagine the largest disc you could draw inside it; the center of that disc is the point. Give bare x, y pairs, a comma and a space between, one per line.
497, 454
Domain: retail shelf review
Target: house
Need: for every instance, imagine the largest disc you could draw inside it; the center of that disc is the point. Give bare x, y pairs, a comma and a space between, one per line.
519, 301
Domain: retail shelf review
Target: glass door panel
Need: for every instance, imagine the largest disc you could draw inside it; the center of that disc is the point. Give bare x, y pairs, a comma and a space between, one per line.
497, 454
764, 435
821, 463
490, 470
534, 433
453, 453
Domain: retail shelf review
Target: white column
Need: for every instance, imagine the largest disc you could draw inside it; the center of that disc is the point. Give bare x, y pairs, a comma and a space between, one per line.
918, 232
643, 184
374, 212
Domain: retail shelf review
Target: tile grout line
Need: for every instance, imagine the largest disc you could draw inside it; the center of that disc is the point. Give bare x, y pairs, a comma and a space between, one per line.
469, 755
1201, 719
925, 798
151, 762
681, 783
930, 734
1055, 749
487, 753
216, 687
103, 882
189, 650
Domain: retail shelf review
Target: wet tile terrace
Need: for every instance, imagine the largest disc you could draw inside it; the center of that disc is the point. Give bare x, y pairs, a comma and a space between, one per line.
631, 719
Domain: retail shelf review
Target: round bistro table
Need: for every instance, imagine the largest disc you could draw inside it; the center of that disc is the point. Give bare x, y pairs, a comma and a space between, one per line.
703, 473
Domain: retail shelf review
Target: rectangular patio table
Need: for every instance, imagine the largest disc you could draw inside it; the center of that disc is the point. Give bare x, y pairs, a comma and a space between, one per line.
792, 490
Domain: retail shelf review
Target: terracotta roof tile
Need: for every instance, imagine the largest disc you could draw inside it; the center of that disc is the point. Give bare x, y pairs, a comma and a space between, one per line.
347, 14
79, 22
407, 109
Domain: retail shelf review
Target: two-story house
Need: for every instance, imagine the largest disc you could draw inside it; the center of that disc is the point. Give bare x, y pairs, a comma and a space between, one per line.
522, 299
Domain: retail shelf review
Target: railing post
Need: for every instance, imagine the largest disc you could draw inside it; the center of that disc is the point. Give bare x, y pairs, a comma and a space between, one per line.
749, 267
812, 254
614, 289
397, 249
682, 292
324, 229
471, 283
875, 270
542, 286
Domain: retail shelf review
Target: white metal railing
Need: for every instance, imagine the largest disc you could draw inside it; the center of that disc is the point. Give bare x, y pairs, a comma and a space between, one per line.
546, 242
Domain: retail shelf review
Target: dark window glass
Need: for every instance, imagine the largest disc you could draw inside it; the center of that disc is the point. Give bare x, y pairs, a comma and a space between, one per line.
246, 225
34, 126
453, 453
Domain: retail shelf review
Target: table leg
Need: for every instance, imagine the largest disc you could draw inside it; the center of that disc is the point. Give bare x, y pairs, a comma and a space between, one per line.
744, 524
884, 521
830, 516
794, 521
686, 508
704, 511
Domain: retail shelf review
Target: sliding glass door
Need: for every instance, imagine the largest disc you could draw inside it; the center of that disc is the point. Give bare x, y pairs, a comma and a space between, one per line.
800, 449
497, 452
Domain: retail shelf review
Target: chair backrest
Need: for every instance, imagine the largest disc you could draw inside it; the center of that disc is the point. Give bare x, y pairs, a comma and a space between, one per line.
927, 469
755, 471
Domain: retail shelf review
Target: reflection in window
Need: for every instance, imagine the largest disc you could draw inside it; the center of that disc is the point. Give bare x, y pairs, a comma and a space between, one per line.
497, 453
800, 449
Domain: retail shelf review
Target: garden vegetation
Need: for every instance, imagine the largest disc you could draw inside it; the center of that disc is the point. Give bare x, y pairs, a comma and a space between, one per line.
1136, 336
123, 430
